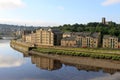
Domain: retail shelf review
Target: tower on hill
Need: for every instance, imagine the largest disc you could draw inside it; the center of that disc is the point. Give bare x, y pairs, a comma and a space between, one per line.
103, 20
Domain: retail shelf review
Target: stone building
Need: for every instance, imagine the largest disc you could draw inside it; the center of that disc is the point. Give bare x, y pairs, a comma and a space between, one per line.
91, 40
69, 42
48, 37
44, 37
106, 22
33, 37
18, 33
67, 34
103, 20
28, 38
110, 41
82, 39
24, 34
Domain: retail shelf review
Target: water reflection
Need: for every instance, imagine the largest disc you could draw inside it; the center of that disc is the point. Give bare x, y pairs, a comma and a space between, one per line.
116, 76
9, 61
86, 64
94, 68
7, 58
46, 63
16, 66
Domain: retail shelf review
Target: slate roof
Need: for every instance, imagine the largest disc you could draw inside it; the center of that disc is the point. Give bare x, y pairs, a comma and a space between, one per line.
84, 34
95, 35
50, 29
69, 39
108, 36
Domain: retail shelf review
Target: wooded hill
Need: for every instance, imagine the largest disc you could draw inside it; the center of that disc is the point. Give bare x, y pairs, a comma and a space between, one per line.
106, 29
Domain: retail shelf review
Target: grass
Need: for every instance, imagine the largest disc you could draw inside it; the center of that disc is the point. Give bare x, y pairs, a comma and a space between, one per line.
87, 50
78, 53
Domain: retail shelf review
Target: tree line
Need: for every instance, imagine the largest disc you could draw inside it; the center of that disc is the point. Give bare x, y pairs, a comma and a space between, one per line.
110, 28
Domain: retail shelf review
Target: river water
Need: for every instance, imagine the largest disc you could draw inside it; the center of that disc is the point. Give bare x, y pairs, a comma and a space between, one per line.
15, 65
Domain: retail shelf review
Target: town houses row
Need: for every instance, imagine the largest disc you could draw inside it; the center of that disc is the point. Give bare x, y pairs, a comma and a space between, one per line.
54, 37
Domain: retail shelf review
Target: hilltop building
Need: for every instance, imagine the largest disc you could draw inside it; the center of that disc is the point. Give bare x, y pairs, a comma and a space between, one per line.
103, 20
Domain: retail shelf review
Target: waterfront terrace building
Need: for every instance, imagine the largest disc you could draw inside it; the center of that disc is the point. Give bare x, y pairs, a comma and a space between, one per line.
33, 37
82, 39
110, 41
69, 42
24, 34
28, 38
67, 34
44, 37
48, 37
87, 39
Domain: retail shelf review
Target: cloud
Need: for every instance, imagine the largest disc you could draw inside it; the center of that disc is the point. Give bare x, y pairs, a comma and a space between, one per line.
110, 2
9, 61
109, 77
8, 4
61, 8
28, 22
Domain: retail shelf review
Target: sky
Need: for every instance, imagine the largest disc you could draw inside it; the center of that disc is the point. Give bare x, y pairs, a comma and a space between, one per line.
58, 12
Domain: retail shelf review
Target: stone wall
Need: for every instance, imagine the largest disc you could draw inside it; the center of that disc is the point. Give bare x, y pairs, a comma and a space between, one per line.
21, 46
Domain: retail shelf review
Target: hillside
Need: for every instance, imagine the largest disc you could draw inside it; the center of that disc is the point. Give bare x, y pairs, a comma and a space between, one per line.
9, 30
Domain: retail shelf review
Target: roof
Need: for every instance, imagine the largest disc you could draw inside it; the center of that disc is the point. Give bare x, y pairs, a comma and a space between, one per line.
108, 36
26, 32
69, 39
50, 29
95, 35
84, 34
68, 33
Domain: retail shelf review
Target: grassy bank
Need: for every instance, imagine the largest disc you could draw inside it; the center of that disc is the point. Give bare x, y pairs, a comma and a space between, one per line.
75, 52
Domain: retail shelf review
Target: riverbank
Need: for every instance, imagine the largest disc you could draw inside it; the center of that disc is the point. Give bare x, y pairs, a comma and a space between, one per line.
110, 54
21, 46
79, 62
86, 50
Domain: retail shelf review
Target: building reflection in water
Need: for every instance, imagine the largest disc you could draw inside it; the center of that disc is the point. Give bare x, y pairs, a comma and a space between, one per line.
94, 68
86, 64
46, 63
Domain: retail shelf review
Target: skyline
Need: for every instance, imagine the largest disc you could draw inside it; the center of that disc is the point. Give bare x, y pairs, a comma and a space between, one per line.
52, 12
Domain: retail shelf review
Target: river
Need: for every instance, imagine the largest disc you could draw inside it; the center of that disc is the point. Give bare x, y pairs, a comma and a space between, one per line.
15, 65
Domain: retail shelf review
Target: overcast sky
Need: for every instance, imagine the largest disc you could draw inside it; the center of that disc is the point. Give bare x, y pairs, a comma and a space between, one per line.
58, 12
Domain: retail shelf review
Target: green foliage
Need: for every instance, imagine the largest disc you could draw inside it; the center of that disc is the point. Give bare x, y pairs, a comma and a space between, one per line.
111, 28
77, 53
